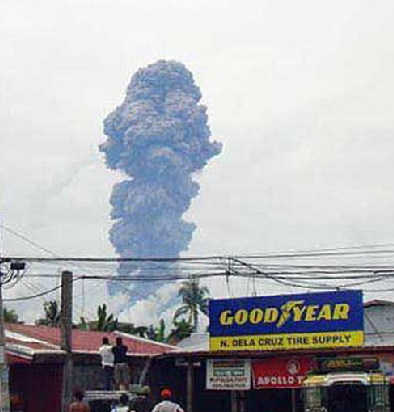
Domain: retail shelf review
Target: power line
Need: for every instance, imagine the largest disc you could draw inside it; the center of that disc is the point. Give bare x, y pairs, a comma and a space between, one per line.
300, 276
309, 282
46, 292
113, 260
26, 239
195, 259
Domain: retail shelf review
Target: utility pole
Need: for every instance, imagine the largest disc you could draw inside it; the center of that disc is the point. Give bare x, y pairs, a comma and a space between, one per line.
190, 384
66, 336
233, 399
9, 271
4, 374
293, 400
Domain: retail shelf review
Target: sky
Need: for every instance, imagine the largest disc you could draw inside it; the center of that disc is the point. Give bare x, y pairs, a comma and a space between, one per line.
299, 94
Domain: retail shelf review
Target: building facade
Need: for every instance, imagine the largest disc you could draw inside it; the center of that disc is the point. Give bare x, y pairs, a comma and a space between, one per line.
276, 376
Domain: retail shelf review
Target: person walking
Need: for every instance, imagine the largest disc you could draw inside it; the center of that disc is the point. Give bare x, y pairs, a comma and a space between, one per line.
166, 404
122, 370
123, 404
78, 405
142, 402
107, 362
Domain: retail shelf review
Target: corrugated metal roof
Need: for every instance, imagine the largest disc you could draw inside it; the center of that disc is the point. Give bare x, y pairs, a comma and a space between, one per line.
35, 339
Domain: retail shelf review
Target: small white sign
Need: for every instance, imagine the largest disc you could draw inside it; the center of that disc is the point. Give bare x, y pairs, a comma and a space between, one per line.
228, 374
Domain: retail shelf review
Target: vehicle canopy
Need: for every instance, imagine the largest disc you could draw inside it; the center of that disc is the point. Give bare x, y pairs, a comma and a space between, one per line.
330, 390
364, 378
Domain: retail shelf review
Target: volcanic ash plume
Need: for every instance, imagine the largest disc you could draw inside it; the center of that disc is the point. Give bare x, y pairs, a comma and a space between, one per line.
159, 137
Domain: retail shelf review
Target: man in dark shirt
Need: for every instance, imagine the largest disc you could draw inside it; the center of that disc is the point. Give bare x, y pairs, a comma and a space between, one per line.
122, 371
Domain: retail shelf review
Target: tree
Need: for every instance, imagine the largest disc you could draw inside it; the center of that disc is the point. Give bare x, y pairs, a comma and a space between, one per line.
182, 330
161, 332
83, 324
10, 316
52, 314
151, 332
195, 301
105, 321
156, 333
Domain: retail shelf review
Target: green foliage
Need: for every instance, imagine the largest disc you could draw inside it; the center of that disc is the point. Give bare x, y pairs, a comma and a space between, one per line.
182, 330
186, 317
105, 322
83, 324
156, 334
10, 316
161, 331
195, 301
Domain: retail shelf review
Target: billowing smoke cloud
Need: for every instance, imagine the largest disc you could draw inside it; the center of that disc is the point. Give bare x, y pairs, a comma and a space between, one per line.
159, 137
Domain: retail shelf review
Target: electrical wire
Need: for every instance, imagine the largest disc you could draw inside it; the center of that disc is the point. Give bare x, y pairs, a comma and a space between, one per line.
160, 269
26, 239
22, 298
45, 292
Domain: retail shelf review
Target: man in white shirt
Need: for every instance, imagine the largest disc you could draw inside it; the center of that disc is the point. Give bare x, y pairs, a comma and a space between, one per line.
166, 405
107, 362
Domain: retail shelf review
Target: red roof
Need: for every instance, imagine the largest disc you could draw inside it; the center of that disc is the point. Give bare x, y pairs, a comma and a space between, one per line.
48, 338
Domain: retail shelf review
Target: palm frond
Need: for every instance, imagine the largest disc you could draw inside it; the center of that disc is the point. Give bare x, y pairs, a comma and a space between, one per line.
181, 311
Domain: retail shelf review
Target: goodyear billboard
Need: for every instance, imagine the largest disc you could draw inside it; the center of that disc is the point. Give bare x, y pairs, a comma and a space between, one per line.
311, 320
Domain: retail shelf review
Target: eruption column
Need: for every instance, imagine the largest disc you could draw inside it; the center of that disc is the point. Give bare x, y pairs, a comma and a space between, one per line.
159, 137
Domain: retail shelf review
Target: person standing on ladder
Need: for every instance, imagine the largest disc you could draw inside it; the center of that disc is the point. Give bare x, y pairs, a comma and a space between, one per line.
122, 370
107, 362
